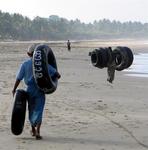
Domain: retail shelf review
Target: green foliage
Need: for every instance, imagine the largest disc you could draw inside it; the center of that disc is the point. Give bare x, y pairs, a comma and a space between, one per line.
18, 27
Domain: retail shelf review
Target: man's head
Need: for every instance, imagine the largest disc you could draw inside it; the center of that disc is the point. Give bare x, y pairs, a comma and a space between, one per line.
31, 49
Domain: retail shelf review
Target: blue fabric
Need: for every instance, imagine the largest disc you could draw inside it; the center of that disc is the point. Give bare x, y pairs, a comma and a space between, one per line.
36, 107
25, 72
36, 100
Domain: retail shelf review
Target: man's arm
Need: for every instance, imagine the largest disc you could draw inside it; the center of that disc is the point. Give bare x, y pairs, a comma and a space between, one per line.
17, 82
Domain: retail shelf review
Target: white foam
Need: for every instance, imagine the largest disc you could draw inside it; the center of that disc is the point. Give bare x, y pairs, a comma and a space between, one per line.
137, 75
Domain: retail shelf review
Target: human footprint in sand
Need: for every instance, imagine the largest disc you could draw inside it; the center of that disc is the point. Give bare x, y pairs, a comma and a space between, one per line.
36, 97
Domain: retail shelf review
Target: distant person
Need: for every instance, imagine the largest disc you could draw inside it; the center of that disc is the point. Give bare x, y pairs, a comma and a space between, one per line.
68, 45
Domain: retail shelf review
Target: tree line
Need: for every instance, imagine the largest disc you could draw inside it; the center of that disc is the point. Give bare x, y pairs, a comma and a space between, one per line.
17, 27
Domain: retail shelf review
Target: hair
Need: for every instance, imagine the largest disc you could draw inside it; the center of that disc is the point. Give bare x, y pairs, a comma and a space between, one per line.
31, 49
30, 54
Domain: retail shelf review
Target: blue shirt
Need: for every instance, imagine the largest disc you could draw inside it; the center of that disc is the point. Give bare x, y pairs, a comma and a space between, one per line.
26, 72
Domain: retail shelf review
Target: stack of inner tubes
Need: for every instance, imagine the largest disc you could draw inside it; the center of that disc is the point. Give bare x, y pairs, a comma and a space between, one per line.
121, 57
101, 57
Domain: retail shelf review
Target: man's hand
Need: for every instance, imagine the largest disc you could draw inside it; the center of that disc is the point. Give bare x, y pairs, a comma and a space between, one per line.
57, 75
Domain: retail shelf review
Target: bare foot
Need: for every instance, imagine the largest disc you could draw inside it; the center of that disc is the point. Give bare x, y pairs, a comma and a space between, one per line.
38, 137
33, 133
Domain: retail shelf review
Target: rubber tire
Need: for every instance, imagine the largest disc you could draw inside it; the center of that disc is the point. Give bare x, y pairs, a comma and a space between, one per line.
96, 59
130, 56
100, 57
18, 112
43, 55
125, 57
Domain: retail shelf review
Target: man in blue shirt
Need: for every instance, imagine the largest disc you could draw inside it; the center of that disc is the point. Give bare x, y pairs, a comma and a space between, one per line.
36, 97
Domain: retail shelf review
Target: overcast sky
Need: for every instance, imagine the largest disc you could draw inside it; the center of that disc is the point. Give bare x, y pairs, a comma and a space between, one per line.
85, 10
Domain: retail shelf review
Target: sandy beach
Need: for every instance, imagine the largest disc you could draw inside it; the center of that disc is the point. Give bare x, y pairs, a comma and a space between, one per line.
85, 112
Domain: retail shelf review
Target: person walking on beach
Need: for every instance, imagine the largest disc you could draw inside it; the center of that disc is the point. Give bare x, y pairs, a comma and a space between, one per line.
68, 45
36, 97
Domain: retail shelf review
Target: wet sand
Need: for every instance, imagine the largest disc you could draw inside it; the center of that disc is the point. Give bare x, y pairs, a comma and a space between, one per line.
86, 112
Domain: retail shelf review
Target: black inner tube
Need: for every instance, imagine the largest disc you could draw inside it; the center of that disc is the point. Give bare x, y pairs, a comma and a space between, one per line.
42, 57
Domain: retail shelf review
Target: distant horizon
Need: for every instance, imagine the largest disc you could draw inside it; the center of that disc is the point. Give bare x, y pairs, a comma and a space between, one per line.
73, 19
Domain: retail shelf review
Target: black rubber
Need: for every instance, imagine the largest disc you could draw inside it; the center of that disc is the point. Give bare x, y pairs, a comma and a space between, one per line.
101, 57
18, 112
123, 57
43, 55
130, 56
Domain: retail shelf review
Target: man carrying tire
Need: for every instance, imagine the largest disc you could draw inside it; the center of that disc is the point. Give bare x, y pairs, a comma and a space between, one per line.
36, 97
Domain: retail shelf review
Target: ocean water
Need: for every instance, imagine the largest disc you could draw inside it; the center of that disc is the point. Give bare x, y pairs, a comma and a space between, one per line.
139, 68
